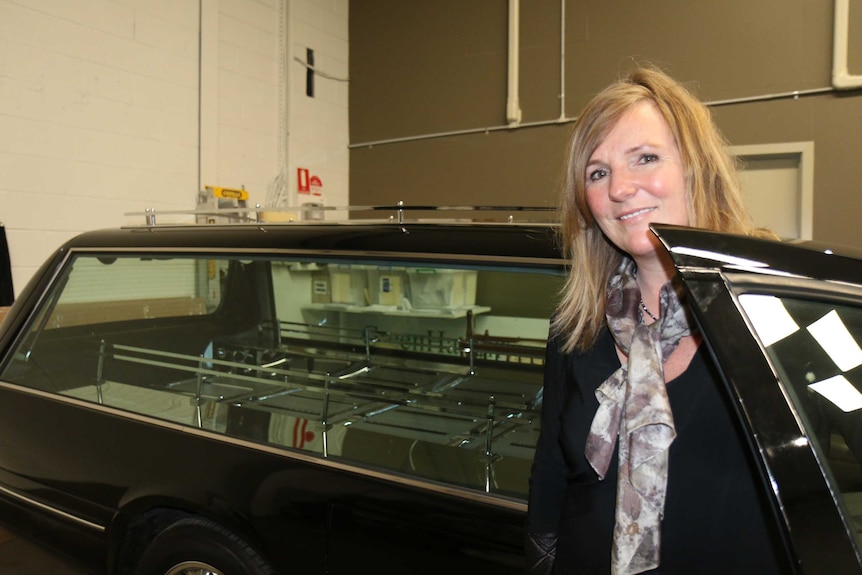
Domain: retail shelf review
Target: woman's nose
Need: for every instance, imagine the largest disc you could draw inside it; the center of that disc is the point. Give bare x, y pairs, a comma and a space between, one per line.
621, 186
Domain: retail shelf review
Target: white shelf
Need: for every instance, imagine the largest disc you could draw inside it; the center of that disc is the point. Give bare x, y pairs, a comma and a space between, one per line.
448, 313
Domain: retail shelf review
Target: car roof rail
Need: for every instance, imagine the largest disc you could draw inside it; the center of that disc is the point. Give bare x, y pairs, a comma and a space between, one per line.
315, 213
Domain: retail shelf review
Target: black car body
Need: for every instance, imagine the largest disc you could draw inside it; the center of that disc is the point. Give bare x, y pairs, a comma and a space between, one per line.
326, 397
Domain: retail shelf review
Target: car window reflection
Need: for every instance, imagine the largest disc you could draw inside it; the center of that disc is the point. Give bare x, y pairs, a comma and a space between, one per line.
814, 346
429, 371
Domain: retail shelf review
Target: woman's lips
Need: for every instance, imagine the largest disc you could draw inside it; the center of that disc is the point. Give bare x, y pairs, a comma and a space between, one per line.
634, 214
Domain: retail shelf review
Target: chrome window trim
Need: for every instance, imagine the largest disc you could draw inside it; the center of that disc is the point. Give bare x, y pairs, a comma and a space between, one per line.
507, 261
53, 510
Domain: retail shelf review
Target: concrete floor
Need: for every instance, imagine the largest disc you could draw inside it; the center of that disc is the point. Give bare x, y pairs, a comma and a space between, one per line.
21, 557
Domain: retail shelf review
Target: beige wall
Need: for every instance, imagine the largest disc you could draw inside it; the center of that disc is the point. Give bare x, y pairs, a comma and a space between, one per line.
422, 70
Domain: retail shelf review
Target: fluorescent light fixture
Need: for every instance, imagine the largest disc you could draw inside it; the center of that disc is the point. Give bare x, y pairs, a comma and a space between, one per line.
769, 317
833, 336
840, 392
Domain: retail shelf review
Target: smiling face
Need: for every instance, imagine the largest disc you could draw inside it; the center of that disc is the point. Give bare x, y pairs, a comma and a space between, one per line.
635, 177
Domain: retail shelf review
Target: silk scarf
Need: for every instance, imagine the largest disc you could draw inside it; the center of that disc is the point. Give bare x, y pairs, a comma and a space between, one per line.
634, 408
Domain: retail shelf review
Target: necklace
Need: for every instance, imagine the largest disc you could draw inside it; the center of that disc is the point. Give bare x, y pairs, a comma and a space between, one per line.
647, 311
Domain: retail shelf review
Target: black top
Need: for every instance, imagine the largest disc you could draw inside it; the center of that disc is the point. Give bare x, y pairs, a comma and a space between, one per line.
716, 519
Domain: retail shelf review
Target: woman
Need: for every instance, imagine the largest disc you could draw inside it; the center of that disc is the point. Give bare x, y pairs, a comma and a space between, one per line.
639, 466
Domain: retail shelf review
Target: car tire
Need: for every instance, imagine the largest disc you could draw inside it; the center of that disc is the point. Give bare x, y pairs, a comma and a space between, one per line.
198, 545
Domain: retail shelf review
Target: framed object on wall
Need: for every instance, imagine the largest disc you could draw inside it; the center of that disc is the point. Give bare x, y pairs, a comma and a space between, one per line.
778, 183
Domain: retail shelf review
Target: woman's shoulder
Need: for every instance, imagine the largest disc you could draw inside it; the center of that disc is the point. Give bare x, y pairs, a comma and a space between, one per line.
585, 368
602, 349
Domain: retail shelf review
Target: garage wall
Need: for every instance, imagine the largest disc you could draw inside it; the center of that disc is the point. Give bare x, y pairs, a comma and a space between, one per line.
116, 106
318, 128
429, 86
98, 114
111, 106
237, 94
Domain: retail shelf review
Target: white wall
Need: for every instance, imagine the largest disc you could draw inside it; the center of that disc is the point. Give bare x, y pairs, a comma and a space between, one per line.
239, 94
115, 106
319, 135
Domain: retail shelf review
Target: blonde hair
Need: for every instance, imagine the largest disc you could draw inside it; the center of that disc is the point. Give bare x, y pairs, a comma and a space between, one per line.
714, 196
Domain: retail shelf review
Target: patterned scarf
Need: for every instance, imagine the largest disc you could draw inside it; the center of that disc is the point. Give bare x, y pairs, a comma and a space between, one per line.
633, 406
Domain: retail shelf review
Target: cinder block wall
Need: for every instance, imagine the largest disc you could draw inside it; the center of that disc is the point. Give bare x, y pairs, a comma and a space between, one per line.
109, 107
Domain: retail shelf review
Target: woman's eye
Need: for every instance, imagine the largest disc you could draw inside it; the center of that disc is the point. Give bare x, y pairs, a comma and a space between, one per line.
648, 158
596, 175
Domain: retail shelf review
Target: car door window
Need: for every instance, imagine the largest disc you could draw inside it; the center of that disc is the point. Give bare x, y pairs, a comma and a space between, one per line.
814, 345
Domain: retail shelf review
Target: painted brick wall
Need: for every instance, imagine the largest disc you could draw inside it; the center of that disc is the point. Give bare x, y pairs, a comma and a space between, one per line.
240, 94
319, 135
115, 106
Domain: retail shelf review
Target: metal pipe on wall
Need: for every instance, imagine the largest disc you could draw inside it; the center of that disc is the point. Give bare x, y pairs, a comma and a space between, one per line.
513, 105
840, 80
562, 60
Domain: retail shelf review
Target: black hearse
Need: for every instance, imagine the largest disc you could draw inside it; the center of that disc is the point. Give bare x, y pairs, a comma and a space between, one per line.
256, 398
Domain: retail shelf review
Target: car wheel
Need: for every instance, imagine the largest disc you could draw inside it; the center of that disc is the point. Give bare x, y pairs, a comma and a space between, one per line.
199, 546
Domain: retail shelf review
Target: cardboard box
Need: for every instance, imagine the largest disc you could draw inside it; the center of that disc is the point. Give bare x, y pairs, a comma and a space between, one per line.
389, 289
348, 284
386, 286
432, 288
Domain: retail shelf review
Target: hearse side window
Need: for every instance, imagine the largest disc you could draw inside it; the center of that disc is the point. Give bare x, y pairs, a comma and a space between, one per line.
423, 370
